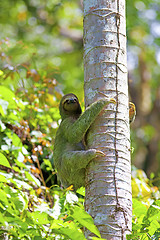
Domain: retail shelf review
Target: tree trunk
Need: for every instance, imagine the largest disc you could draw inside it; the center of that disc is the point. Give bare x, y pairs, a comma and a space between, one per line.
108, 179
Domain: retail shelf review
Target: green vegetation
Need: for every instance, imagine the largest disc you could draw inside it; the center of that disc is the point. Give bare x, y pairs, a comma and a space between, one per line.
41, 57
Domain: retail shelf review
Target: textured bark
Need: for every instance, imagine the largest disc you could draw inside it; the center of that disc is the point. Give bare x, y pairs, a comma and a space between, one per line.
108, 179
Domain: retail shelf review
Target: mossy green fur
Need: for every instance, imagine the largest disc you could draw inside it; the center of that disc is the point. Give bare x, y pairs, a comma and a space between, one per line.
70, 155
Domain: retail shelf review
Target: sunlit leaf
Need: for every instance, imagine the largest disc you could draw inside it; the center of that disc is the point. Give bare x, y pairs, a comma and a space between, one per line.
86, 220
19, 202
31, 177
7, 95
81, 191
4, 161
3, 198
67, 229
40, 218
2, 178
139, 209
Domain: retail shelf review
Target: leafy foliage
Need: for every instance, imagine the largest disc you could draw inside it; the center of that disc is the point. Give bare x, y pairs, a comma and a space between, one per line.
146, 207
52, 31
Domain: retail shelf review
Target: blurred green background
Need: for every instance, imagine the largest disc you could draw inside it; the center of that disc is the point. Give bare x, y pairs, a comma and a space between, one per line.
41, 56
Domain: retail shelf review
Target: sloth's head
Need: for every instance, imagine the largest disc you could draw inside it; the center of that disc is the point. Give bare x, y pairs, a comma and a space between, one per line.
69, 106
132, 112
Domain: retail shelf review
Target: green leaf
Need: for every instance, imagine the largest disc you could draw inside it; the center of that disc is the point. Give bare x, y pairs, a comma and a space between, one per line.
48, 163
156, 235
8, 95
3, 198
15, 139
139, 209
15, 198
31, 177
2, 178
20, 164
4, 161
153, 213
2, 220
67, 229
85, 220
16, 169
40, 218
81, 191
153, 227
19, 202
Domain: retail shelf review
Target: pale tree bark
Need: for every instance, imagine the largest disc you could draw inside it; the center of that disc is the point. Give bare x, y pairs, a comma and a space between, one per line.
108, 179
